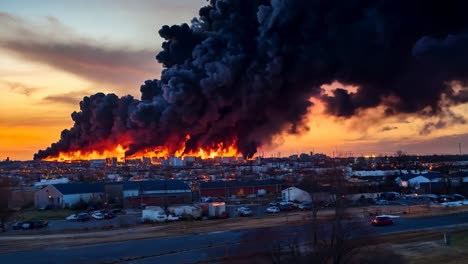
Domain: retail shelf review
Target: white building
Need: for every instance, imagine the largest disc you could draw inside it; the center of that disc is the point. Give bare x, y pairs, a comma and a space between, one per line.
66, 195
414, 180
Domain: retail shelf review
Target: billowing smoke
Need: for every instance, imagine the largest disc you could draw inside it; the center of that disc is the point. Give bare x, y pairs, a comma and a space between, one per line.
244, 71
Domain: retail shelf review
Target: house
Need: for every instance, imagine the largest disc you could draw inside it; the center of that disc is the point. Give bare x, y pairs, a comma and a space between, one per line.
295, 194
68, 194
240, 188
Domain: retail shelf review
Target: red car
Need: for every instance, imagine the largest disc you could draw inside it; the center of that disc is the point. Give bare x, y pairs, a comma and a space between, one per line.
381, 220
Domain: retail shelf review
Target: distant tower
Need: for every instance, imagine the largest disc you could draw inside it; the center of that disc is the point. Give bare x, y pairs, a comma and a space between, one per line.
459, 148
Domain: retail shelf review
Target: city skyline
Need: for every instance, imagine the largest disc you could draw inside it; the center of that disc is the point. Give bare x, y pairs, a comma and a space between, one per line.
53, 53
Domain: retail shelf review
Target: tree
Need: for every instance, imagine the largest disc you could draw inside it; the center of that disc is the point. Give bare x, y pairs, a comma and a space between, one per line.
5, 192
401, 159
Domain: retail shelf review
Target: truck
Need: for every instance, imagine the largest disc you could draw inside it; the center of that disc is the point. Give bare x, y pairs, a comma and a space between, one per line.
186, 211
217, 210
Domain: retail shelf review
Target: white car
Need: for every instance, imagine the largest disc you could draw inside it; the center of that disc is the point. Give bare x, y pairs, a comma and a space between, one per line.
171, 218
273, 209
381, 202
71, 217
453, 204
244, 211
97, 216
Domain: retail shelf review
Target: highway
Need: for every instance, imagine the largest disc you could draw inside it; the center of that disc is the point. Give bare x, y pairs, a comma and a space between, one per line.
208, 246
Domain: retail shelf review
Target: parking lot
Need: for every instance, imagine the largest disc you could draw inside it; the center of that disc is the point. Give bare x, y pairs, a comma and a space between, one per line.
404, 206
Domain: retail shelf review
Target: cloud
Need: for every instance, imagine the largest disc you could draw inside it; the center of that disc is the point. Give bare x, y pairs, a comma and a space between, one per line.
71, 98
388, 128
20, 88
58, 46
445, 119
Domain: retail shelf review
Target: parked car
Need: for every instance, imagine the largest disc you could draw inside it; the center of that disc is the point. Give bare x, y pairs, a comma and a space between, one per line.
97, 216
458, 197
40, 224
286, 207
382, 202
71, 217
17, 225
305, 206
274, 203
82, 217
244, 211
109, 215
381, 220
273, 209
446, 198
27, 225
452, 204
34, 224
172, 218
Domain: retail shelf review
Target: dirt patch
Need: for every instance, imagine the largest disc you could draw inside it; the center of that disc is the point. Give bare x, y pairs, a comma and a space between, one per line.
431, 247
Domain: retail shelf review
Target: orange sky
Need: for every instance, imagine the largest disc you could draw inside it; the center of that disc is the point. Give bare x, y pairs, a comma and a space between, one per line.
50, 59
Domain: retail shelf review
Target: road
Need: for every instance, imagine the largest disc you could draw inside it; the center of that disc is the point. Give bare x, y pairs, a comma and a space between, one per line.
203, 247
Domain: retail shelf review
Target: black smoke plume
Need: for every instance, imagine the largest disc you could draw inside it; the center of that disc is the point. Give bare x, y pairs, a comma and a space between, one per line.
244, 71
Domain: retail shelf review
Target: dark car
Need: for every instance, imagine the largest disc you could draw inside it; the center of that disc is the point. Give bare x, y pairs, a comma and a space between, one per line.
305, 206
458, 197
34, 224
446, 198
40, 224
381, 221
82, 217
286, 207
109, 215
17, 225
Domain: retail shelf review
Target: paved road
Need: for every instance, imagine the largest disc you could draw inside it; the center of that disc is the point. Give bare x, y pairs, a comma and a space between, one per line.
202, 247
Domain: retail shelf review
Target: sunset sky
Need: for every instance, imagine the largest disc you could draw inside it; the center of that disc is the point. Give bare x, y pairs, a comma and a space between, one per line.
52, 53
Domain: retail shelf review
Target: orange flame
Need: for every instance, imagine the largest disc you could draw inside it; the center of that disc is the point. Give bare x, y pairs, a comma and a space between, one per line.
119, 152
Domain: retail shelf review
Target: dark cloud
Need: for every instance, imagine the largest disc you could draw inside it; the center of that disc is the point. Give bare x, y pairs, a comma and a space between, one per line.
122, 67
445, 119
388, 128
244, 71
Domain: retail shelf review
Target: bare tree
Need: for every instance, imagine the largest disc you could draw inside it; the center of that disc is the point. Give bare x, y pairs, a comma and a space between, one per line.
401, 159
5, 192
